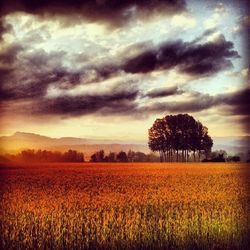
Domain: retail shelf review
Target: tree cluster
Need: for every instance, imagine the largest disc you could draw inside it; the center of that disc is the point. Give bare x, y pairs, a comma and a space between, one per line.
49, 156
223, 154
234, 158
175, 136
122, 156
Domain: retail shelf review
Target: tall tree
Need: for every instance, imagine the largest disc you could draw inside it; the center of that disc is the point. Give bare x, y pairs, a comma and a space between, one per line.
159, 138
175, 134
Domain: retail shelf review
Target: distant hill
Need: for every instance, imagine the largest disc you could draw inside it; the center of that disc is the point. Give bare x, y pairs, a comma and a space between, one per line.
20, 141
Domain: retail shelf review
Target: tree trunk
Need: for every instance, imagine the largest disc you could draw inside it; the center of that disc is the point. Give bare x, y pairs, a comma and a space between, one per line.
177, 156
160, 156
194, 156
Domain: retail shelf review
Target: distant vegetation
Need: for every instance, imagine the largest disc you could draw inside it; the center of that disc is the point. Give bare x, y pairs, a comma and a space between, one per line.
31, 155
175, 136
122, 156
46, 156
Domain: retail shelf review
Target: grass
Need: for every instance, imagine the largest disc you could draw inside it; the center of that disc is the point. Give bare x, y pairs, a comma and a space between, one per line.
124, 206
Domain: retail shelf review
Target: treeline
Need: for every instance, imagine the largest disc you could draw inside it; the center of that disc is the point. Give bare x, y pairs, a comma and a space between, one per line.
122, 156
221, 156
31, 155
47, 156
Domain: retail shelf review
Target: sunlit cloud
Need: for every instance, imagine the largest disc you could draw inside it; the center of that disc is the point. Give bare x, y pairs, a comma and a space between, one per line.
137, 65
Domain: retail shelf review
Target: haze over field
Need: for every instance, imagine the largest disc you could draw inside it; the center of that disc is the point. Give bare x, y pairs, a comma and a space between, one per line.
108, 69
21, 141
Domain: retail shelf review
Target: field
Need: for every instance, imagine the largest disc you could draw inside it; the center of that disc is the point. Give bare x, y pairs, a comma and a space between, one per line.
124, 206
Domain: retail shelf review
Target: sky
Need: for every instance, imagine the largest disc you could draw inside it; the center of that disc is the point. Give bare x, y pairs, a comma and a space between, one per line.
108, 69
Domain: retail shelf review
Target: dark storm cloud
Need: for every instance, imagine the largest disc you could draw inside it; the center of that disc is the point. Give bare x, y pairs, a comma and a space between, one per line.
240, 102
4, 27
199, 103
30, 74
244, 30
9, 54
162, 92
236, 103
37, 85
119, 102
32, 89
112, 11
4, 73
197, 60
125, 100
42, 68
193, 59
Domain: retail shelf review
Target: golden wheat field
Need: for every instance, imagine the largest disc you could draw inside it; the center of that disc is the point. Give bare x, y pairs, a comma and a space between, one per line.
124, 206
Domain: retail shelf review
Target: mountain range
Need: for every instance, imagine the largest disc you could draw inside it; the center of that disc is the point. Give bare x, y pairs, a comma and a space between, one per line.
20, 141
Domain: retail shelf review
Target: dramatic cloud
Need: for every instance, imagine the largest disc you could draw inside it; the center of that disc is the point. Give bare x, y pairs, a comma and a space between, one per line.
194, 59
240, 102
243, 28
30, 74
237, 102
36, 72
199, 103
110, 11
127, 100
3, 28
120, 102
139, 59
41, 69
9, 54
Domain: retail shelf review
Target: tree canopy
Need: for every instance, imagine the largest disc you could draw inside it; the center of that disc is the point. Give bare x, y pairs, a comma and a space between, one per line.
174, 136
